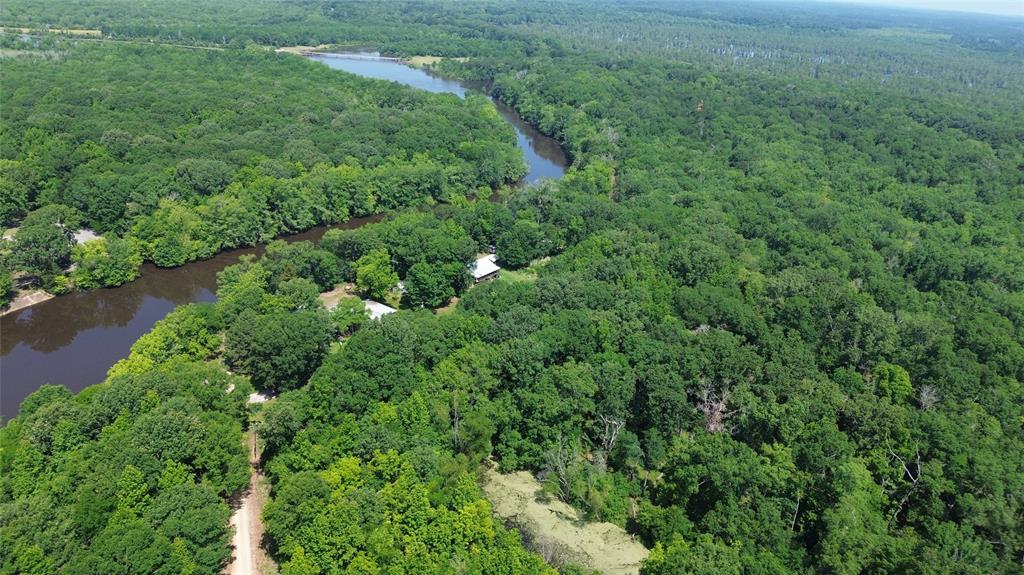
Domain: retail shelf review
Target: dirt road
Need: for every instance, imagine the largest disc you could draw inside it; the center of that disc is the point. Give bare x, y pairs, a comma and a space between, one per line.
248, 556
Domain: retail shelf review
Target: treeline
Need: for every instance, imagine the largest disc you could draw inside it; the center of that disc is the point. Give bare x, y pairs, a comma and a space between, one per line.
921, 52
449, 29
129, 476
177, 154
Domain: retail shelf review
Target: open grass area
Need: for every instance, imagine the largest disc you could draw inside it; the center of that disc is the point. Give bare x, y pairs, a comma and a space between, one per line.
555, 530
92, 33
422, 61
526, 274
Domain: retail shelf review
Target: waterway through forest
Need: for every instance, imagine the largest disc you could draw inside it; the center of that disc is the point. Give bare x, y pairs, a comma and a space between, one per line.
72, 340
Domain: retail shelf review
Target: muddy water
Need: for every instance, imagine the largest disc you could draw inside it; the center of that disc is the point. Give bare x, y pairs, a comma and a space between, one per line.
73, 340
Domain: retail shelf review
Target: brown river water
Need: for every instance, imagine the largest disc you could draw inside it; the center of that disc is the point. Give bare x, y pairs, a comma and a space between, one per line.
73, 340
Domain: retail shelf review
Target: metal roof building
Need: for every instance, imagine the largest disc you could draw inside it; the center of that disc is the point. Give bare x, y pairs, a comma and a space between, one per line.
377, 309
484, 268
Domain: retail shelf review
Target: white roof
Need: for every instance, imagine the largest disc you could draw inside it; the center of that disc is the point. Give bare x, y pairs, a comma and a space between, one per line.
377, 309
85, 235
484, 266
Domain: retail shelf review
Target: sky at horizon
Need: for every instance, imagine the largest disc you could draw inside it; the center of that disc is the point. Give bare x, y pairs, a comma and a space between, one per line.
995, 7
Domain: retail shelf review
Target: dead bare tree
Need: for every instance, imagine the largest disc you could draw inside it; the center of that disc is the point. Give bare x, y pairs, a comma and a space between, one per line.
928, 396
796, 511
914, 478
611, 427
713, 403
701, 122
559, 460
546, 549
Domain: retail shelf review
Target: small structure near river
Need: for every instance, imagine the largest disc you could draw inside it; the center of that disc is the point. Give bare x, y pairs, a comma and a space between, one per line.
377, 310
374, 309
485, 268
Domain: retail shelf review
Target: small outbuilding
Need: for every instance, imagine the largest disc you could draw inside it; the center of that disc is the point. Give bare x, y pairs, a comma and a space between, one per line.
377, 310
484, 268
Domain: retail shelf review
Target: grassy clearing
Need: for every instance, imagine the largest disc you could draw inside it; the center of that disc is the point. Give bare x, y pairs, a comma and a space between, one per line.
521, 275
555, 530
452, 303
88, 32
303, 49
8, 53
527, 274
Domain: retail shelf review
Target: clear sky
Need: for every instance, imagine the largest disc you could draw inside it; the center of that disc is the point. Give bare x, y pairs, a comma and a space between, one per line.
1001, 7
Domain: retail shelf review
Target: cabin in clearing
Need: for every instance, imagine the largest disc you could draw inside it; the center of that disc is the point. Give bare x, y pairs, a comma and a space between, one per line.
484, 268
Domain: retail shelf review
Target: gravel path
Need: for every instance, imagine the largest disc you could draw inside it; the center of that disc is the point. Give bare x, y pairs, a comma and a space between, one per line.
248, 557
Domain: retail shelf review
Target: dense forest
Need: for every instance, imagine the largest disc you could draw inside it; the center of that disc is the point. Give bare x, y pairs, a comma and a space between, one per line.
771, 320
175, 154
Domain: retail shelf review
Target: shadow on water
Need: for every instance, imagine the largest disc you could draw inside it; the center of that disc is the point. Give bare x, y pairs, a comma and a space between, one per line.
73, 340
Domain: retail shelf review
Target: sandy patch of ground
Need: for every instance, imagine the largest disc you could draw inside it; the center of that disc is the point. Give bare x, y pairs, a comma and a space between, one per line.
26, 299
421, 61
248, 556
331, 298
555, 531
85, 235
257, 398
303, 49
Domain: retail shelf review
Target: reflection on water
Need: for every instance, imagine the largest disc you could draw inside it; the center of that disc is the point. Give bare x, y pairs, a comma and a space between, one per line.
544, 157
73, 340
384, 69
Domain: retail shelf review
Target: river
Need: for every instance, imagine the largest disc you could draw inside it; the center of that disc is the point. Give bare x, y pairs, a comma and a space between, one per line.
73, 340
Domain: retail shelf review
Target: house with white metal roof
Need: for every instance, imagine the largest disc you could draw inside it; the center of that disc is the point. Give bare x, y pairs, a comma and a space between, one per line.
377, 310
484, 268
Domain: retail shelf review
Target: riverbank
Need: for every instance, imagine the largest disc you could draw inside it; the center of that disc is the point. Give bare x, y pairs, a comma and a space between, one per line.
30, 297
422, 61
75, 338
326, 50
26, 299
